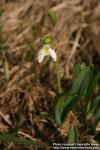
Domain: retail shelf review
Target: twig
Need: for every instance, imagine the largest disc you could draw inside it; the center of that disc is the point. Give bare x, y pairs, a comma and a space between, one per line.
26, 135
76, 44
5, 118
59, 7
34, 140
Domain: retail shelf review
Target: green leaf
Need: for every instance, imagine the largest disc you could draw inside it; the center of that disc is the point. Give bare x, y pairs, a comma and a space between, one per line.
97, 117
97, 137
72, 134
88, 108
58, 107
71, 102
47, 115
79, 68
92, 86
44, 114
15, 139
95, 105
96, 122
89, 93
6, 69
79, 85
81, 82
3, 45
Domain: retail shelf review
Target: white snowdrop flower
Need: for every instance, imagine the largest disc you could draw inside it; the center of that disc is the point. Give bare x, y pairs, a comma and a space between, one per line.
46, 50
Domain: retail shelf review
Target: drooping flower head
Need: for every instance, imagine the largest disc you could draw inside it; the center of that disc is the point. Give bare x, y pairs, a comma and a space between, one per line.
46, 50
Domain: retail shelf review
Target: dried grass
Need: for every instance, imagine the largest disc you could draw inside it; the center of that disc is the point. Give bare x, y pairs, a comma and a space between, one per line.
77, 34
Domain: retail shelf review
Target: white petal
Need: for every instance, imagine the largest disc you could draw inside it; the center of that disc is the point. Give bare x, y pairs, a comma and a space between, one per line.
53, 54
40, 55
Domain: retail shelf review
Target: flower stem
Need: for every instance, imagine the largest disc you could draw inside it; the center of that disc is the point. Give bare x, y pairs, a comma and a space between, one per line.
58, 77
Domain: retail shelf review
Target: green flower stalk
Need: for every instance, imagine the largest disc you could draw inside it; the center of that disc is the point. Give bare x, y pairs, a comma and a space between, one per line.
58, 77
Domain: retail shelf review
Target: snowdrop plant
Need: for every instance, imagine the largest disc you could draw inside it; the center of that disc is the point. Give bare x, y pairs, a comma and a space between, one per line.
83, 87
48, 50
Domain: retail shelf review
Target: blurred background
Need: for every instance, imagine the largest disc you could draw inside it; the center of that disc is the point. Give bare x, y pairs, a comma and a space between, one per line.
28, 88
